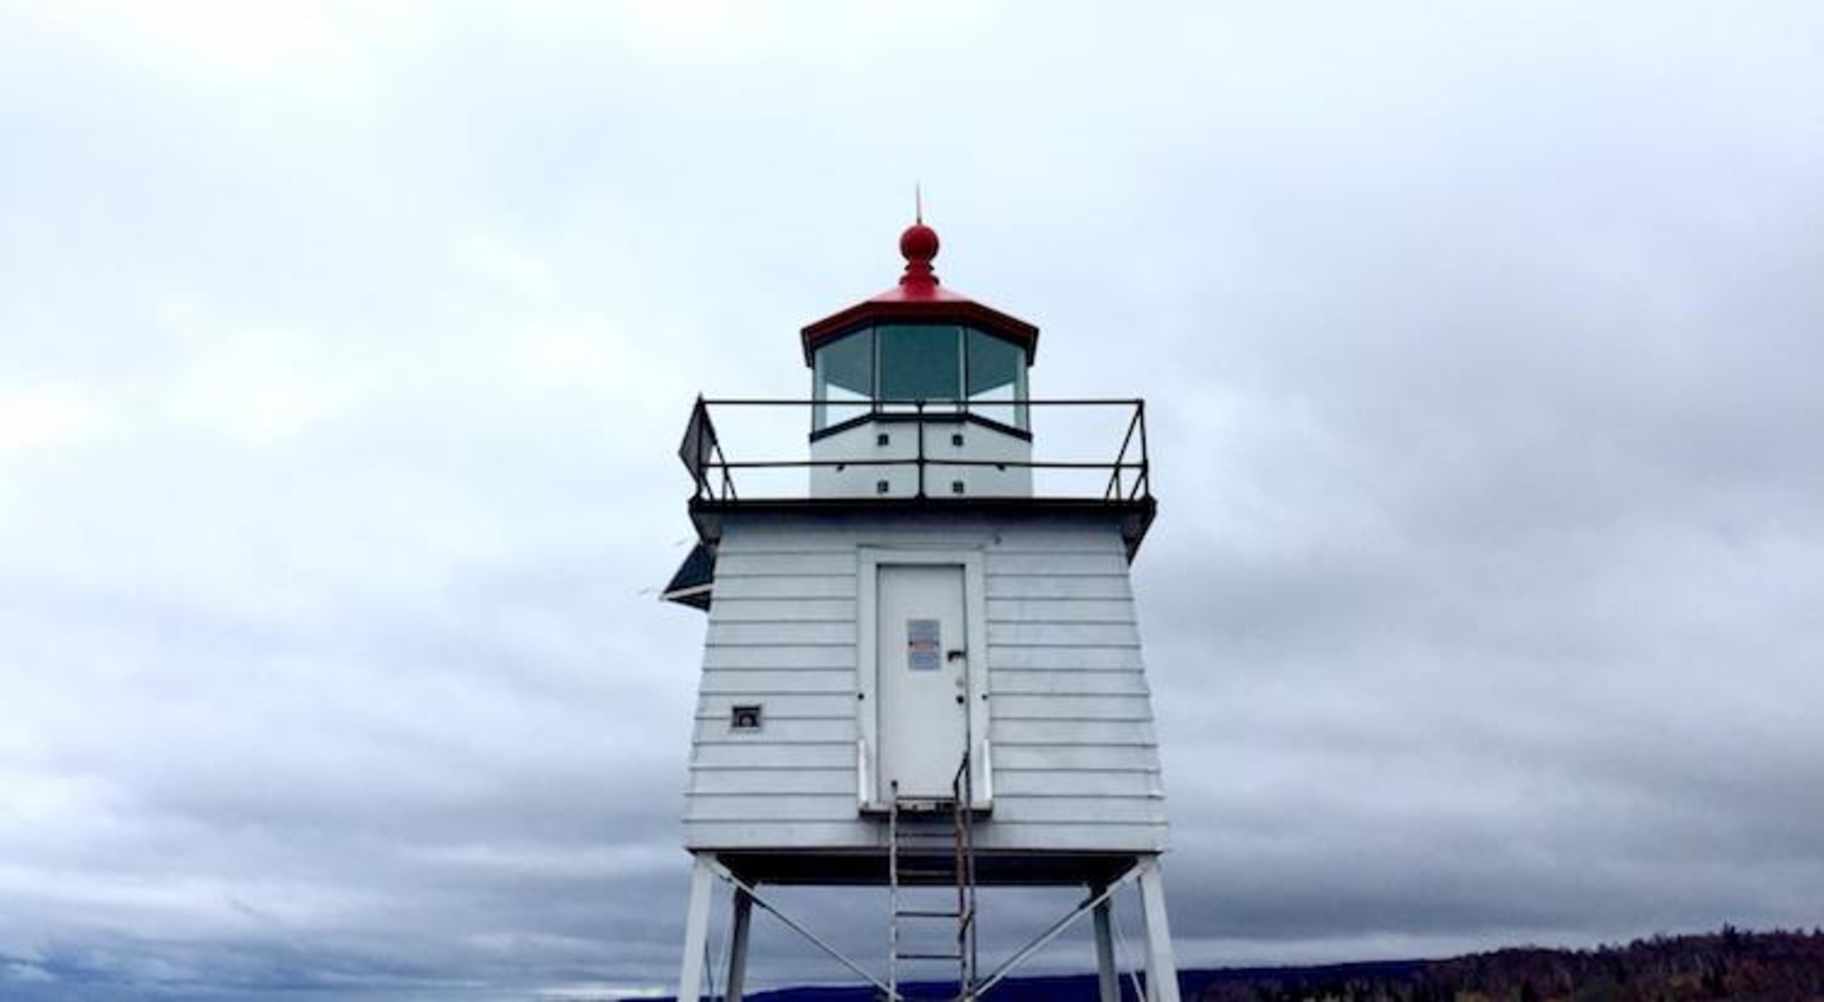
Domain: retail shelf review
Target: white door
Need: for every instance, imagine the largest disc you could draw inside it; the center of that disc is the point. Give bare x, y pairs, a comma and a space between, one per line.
923, 664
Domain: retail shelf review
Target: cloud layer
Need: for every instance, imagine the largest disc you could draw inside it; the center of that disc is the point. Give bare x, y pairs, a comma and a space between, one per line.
341, 353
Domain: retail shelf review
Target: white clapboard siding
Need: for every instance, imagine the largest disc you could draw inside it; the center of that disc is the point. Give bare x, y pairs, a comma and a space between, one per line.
1096, 836
1051, 657
780, 634
777, 681
1095, 706
1056, 564
734, 563
1070, 718
737, 658
747, 833
1060, 610
1038, 586
772, 806
1138, 732
1073, 756
1065, 682
785, 706
1009, 782
1063, 633
1080, 810
784, 610
798, 779
740, 755
774, 731
789, 586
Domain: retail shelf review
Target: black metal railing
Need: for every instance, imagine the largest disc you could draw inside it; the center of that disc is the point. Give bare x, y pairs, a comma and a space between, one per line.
715, 475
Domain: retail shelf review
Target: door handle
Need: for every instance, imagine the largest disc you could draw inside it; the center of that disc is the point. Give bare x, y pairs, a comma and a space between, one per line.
953, 655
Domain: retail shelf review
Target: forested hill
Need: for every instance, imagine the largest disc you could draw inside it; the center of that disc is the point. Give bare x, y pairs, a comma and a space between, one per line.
1730, 964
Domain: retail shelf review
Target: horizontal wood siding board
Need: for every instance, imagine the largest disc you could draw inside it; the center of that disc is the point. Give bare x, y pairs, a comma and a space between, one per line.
1060, 610
1061, 634
1087, 757
1099, 706
1079, 810
1054, 564
1072, 732
746, 834
792, 706
770, 807
785, 586
784, 656
1054, 658
734, 564
1079, 586
778, 731
774, 781
1074, 783
781, 634
777, 681
728, 609
1080, 681
1104, 836
746, 754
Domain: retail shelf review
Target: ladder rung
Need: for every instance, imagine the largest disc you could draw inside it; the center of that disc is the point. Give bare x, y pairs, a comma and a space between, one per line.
926, 913
930, 956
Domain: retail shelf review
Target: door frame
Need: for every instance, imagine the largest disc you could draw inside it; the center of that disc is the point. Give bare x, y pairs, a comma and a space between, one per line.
975, 663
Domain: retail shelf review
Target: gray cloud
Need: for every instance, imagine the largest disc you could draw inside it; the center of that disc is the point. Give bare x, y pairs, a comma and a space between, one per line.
343, 360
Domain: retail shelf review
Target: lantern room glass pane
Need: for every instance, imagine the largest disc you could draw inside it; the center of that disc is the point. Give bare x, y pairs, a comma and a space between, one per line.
996, 379
922, 362
844, 380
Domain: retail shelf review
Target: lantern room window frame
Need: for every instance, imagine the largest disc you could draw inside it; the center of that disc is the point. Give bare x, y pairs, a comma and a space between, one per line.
974, 351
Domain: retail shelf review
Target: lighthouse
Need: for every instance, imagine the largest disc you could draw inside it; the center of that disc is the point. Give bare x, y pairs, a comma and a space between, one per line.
922, 672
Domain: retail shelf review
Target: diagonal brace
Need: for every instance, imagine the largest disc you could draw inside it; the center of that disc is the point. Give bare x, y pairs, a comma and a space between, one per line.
1057, 928
722, 871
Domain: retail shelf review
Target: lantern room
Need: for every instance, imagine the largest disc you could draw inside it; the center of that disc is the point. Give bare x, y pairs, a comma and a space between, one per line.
920, 379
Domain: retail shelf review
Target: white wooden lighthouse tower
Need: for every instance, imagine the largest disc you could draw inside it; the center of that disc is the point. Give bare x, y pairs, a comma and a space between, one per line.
923, 666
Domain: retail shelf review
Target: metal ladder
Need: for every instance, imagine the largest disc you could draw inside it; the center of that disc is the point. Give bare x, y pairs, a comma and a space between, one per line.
917, 844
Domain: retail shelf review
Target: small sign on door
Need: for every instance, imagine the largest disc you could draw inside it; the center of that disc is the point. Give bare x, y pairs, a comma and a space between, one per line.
923, 643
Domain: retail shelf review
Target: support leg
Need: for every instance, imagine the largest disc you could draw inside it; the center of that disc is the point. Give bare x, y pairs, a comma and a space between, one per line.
1108, 980
737, 947
1161, 966
696, 931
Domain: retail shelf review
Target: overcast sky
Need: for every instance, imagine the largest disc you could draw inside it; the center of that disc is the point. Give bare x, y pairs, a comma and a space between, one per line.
343, 353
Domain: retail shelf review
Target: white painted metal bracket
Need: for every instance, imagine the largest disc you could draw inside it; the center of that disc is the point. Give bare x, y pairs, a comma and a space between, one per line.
1057, 928
715, 865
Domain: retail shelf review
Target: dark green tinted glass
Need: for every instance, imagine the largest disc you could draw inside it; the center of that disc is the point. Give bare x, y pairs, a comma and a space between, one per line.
993, 363
848, 364
919, 363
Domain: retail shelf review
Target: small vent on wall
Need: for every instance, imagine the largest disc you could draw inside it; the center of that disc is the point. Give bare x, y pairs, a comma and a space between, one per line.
744, 718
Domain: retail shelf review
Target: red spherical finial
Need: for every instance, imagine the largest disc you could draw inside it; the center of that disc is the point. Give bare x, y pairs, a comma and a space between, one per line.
919, 245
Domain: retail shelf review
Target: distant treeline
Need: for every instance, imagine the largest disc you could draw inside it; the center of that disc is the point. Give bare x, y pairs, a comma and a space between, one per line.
1775, 966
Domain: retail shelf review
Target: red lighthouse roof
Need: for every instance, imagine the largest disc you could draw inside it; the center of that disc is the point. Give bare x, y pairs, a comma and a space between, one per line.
920, 299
